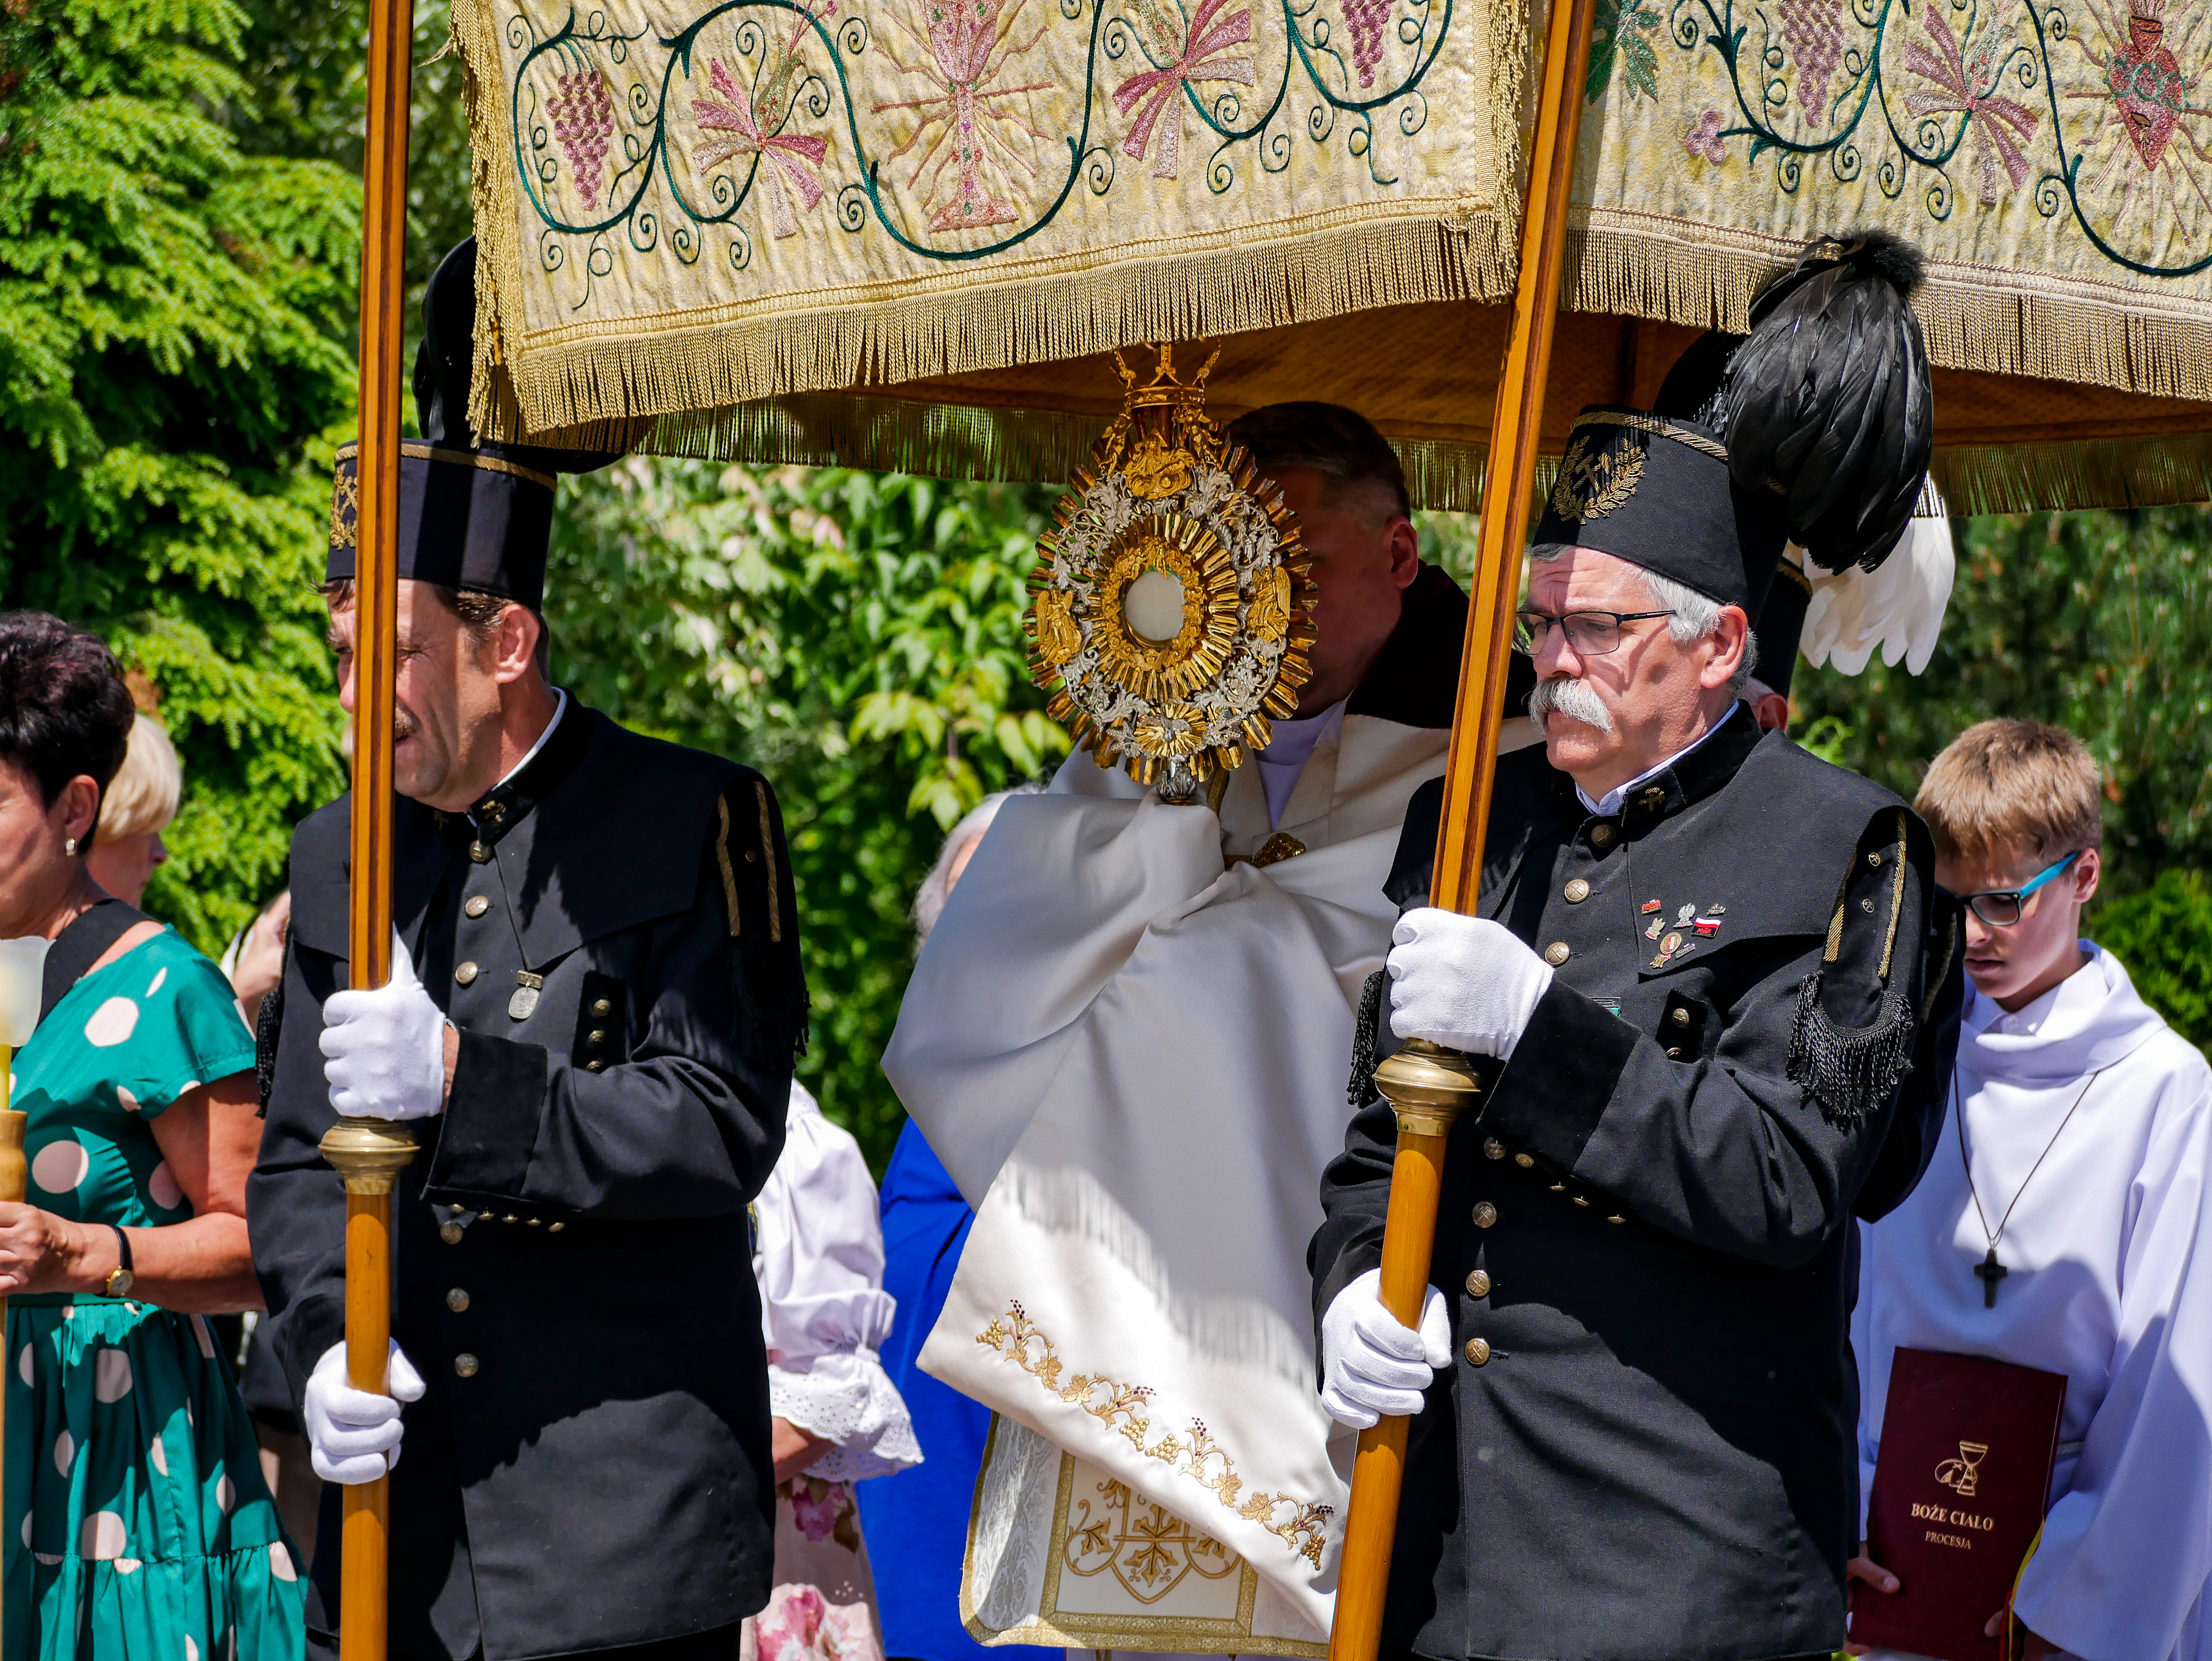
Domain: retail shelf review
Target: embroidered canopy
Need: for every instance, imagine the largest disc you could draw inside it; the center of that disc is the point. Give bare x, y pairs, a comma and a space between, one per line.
904, 233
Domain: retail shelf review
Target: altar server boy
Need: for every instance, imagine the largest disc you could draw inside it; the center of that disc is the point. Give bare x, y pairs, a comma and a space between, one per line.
2064, 1224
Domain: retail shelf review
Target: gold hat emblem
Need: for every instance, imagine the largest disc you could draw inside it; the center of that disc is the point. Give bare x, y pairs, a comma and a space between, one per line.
345, 505
1592, 482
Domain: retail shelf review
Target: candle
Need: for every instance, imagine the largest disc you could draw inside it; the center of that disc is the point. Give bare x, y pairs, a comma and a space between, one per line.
23, 974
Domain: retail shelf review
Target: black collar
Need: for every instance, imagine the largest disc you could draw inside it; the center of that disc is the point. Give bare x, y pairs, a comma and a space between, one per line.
1690, 779
503, 807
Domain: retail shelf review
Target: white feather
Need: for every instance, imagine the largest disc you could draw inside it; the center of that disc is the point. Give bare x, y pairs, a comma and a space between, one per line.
1896, 608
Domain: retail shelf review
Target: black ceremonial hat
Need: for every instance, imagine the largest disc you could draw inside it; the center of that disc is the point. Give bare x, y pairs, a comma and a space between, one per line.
1656, 493
1779, 625
468, 518
471, 514
1815, 428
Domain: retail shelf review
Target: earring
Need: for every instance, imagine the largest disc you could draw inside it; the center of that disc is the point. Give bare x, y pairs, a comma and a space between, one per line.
69, 847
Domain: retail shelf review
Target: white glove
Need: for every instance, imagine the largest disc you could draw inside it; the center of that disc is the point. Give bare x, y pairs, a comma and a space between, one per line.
1465, 983
353, 1435
385, 1047
1372, 1366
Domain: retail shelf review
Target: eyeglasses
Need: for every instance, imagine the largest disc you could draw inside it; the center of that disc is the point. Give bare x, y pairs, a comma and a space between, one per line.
2000, 908
1592, 633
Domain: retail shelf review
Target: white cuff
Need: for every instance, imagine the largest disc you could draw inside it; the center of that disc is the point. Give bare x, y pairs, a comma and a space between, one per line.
845, 1397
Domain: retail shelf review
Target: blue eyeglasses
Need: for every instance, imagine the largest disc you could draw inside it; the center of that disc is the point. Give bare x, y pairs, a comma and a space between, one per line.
2000, 908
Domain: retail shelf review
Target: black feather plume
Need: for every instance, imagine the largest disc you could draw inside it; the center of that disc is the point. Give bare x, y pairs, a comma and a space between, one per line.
445, 366
445, 362
1828, 399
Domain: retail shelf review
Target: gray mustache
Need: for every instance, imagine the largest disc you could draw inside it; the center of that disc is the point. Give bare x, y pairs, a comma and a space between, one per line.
1572, 698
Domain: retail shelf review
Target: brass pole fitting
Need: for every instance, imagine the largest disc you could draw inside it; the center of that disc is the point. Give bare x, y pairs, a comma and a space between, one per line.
1428, 1086
369, 1153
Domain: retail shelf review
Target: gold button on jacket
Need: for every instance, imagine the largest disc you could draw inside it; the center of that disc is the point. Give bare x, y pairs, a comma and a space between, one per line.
1478, 1284
1557, 953
1484, 1214
1478, 1351
1577, 891
476, 906
1493, 1148
457, 1300
465, 974
465, 1364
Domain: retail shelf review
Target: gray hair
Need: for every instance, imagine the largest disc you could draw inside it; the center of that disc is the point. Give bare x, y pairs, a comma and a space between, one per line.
1696, 616
937, 887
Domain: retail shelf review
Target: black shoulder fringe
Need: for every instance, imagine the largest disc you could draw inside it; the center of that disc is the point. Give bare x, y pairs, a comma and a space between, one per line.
1359, 1089
1852, 1071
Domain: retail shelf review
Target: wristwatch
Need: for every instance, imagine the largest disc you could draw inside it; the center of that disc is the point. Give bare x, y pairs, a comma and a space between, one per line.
120, 1277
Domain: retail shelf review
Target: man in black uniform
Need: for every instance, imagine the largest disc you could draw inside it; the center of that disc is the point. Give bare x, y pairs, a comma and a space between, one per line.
1717, 990
594, 1005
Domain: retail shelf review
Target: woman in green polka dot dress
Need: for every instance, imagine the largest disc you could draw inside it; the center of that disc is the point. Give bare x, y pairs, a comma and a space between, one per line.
137, 1523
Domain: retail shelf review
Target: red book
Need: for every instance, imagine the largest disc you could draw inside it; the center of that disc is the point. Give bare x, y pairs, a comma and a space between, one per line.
1967, 1447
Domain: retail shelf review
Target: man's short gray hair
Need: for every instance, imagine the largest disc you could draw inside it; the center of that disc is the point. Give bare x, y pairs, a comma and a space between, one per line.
1696, 616
937, 887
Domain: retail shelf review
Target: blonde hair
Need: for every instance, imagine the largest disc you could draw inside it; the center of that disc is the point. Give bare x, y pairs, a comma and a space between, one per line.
2013, 783
142, 795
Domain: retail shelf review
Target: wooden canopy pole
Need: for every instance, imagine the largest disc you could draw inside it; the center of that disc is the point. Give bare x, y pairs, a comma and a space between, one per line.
1430, 1088
369, 1153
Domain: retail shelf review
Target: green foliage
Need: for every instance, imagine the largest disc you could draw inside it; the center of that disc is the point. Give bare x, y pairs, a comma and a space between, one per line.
857, 638
310, 78
2163, 934
2099, 623
173, 365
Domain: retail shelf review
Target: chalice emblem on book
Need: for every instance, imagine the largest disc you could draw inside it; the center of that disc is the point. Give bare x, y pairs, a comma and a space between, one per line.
1962, 1473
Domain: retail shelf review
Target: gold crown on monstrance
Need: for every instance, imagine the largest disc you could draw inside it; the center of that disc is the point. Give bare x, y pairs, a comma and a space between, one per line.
1171, 603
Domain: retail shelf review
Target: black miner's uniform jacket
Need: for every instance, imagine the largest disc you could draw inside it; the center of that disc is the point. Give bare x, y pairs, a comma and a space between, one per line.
1645, 1449
614, 937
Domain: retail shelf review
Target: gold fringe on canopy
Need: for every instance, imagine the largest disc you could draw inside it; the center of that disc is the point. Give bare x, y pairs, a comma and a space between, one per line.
687, 205
1426, 374
2018, 323
747, 228
1045, 446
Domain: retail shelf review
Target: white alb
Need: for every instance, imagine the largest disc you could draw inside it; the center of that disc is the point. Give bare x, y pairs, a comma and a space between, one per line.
2109, 1259
818, 1258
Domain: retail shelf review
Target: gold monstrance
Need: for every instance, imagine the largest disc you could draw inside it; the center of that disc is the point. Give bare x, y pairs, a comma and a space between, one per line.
1171, 606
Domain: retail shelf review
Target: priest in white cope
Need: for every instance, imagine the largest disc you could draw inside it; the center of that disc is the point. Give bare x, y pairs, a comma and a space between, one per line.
1127, 1040
2065, 1224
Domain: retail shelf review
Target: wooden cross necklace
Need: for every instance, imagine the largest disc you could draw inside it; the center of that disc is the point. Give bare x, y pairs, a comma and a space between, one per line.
1990, 1271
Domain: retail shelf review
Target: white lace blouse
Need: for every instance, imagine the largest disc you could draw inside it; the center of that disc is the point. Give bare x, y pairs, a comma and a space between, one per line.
818, 1258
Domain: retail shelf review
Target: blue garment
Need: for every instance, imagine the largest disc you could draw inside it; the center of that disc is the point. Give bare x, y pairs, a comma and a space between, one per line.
916, 1521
